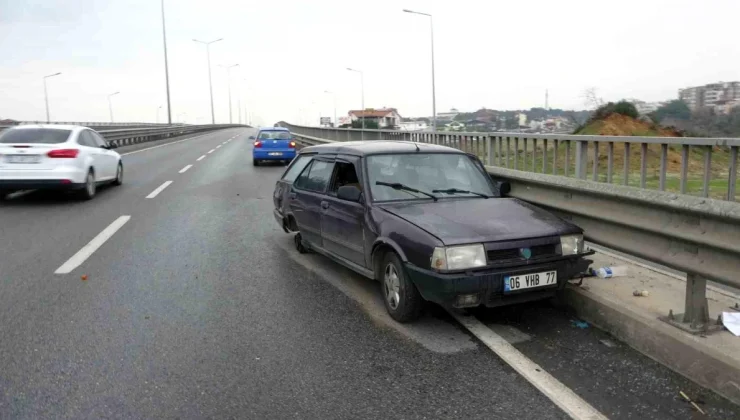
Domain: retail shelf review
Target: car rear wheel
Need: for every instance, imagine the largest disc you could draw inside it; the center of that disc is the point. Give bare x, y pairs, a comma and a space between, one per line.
119, 175
255, 162
402, 300
88, 192
298, 239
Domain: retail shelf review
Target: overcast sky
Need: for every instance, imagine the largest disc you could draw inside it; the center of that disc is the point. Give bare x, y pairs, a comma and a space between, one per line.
494, 54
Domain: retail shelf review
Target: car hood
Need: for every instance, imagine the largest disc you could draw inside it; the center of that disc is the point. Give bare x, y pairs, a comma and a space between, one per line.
480, 220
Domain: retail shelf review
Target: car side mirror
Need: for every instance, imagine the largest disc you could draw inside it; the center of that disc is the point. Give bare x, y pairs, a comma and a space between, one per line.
504, 188
111, 146
251, 137
349, 193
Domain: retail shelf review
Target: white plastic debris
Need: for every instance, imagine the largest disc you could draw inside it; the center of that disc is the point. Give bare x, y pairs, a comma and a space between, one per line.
731, 321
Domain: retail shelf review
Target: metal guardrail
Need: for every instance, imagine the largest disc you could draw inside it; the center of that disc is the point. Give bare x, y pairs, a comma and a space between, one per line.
697, 235
702, 166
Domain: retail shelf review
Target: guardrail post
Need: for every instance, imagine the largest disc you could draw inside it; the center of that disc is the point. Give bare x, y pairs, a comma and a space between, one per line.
697, 309
581, 159
489, 157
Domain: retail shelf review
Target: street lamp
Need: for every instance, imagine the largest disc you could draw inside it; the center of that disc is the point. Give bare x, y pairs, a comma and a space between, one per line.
362, 87
434, 95
210, 83
110, 104
166, 72
335, 106
158, 108
228, 77
46, 95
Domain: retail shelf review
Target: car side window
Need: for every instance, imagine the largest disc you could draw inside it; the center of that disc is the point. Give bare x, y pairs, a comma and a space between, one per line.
296, 167
99, 140
345, 174
86, 139
316, 177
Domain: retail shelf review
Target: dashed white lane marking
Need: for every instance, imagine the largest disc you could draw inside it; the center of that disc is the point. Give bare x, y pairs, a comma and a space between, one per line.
553, 389
159, 189
182, 171
211, 151
200, 158
219, 146
86, 251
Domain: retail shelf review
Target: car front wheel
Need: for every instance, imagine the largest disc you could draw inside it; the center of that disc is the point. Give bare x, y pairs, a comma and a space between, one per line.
402, 300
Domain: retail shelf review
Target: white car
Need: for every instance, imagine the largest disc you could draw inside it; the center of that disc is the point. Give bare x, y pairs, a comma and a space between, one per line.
56, 157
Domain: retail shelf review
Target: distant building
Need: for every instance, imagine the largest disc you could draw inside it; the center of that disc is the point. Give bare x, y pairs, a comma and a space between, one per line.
522, 117
385, 117
448, 115
645, 108
714, 95
412, 126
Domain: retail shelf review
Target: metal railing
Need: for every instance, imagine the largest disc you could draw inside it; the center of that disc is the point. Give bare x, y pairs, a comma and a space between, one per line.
696, 235
706, 167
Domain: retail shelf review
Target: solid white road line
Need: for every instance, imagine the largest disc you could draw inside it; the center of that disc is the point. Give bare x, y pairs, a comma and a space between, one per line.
159, 189
201, 158
553, 389
84, 253
182, 171
211, 151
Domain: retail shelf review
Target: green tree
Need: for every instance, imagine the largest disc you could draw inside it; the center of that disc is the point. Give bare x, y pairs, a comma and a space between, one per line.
676, 109
369, 124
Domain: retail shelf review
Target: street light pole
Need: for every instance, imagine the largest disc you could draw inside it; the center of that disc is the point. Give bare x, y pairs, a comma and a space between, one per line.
210, 83
46, 95
166, 72
362, 92
160, 107
228, 84
335, 106
434, 94
110, 104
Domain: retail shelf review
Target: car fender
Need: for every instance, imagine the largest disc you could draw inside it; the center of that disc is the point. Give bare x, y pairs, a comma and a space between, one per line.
379, 241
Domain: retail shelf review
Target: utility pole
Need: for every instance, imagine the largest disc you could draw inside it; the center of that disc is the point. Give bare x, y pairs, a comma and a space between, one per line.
166, 71
210, 81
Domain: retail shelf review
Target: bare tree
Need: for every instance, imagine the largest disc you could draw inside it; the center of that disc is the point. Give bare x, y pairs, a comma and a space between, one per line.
591, 99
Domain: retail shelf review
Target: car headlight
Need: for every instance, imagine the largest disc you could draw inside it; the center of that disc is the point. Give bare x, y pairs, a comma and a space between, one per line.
571, 244
459, 257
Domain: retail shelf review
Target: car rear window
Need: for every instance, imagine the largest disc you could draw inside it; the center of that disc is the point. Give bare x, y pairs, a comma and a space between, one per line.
275, 135
34, 135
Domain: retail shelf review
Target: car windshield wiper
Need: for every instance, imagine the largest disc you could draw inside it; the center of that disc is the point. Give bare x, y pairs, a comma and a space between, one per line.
459, 191
399, 186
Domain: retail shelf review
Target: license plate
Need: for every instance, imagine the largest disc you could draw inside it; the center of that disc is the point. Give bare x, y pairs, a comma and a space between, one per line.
275, 154
529, 281
23, 158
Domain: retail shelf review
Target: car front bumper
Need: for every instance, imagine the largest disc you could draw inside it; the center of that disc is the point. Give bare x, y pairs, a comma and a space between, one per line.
488, 284
270, 154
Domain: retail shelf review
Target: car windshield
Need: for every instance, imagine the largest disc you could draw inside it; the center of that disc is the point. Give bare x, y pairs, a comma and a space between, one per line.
275, 135
34, 135
441, 174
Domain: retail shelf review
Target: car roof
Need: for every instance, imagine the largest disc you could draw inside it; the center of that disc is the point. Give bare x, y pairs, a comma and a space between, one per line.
376, 147
274, 129
50, 126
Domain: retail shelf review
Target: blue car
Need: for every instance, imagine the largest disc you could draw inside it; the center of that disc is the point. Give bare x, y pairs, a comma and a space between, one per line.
273, 144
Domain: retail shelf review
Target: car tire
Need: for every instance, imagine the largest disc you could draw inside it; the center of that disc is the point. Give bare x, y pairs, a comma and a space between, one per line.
90, 188
400, 296
255, 162
3, 194
119, 175
298, 239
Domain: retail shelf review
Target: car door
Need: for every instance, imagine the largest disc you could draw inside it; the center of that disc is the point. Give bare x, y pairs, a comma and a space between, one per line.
306, 195
342, 221
109, 158
91, 149
281, 195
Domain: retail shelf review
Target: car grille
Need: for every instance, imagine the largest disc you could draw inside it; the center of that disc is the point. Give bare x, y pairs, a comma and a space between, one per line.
500, 256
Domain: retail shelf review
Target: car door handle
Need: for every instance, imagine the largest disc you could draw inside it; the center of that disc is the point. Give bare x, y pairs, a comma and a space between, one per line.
324, 204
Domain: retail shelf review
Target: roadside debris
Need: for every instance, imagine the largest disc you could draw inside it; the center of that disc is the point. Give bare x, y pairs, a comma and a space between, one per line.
692, 403
643, 293
731, 321
580, 324
608, 343
609, 272
83, 277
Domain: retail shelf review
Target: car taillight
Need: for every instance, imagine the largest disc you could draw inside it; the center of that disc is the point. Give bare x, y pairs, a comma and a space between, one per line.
258, 144
292, 145
63, 153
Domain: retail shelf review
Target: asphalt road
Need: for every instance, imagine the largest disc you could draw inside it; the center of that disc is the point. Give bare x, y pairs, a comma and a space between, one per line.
198, 307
